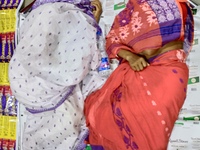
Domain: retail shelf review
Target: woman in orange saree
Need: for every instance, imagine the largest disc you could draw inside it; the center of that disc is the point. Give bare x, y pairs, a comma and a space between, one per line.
138, 105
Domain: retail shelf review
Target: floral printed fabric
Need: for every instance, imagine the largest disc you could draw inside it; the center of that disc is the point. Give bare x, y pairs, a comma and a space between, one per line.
137, 110
153, 22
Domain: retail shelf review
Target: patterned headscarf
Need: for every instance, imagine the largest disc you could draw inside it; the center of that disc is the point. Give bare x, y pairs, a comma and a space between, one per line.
85, 5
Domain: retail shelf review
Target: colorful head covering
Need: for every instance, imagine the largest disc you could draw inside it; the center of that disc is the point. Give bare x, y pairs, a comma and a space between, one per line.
147, 24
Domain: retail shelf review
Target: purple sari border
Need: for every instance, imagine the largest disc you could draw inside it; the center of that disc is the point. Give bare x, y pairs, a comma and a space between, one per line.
81, 145
35, 111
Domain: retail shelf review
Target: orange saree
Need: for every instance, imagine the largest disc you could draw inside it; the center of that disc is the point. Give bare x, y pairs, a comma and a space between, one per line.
137, 110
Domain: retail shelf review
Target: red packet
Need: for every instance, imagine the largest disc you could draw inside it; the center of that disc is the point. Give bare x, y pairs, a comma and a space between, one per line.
11, 145
5, 144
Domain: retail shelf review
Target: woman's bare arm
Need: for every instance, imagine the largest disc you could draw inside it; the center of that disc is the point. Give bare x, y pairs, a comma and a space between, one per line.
136, 62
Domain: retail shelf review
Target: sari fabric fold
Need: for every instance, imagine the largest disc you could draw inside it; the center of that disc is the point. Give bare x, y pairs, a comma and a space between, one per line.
137, 110
53, 69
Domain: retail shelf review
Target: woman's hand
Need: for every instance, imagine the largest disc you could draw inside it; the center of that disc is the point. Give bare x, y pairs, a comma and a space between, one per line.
136, 62
97, 11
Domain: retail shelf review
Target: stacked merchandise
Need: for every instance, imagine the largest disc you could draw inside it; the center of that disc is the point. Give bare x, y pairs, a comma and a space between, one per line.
185, 135
8, 105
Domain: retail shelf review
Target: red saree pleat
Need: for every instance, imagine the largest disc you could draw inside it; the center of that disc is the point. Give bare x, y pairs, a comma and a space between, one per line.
137, 110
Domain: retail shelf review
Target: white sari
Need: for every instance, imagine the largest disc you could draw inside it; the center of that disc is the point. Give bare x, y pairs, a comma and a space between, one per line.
51, 72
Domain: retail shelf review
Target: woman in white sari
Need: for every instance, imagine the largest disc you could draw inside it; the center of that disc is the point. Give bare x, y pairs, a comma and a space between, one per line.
53, 69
